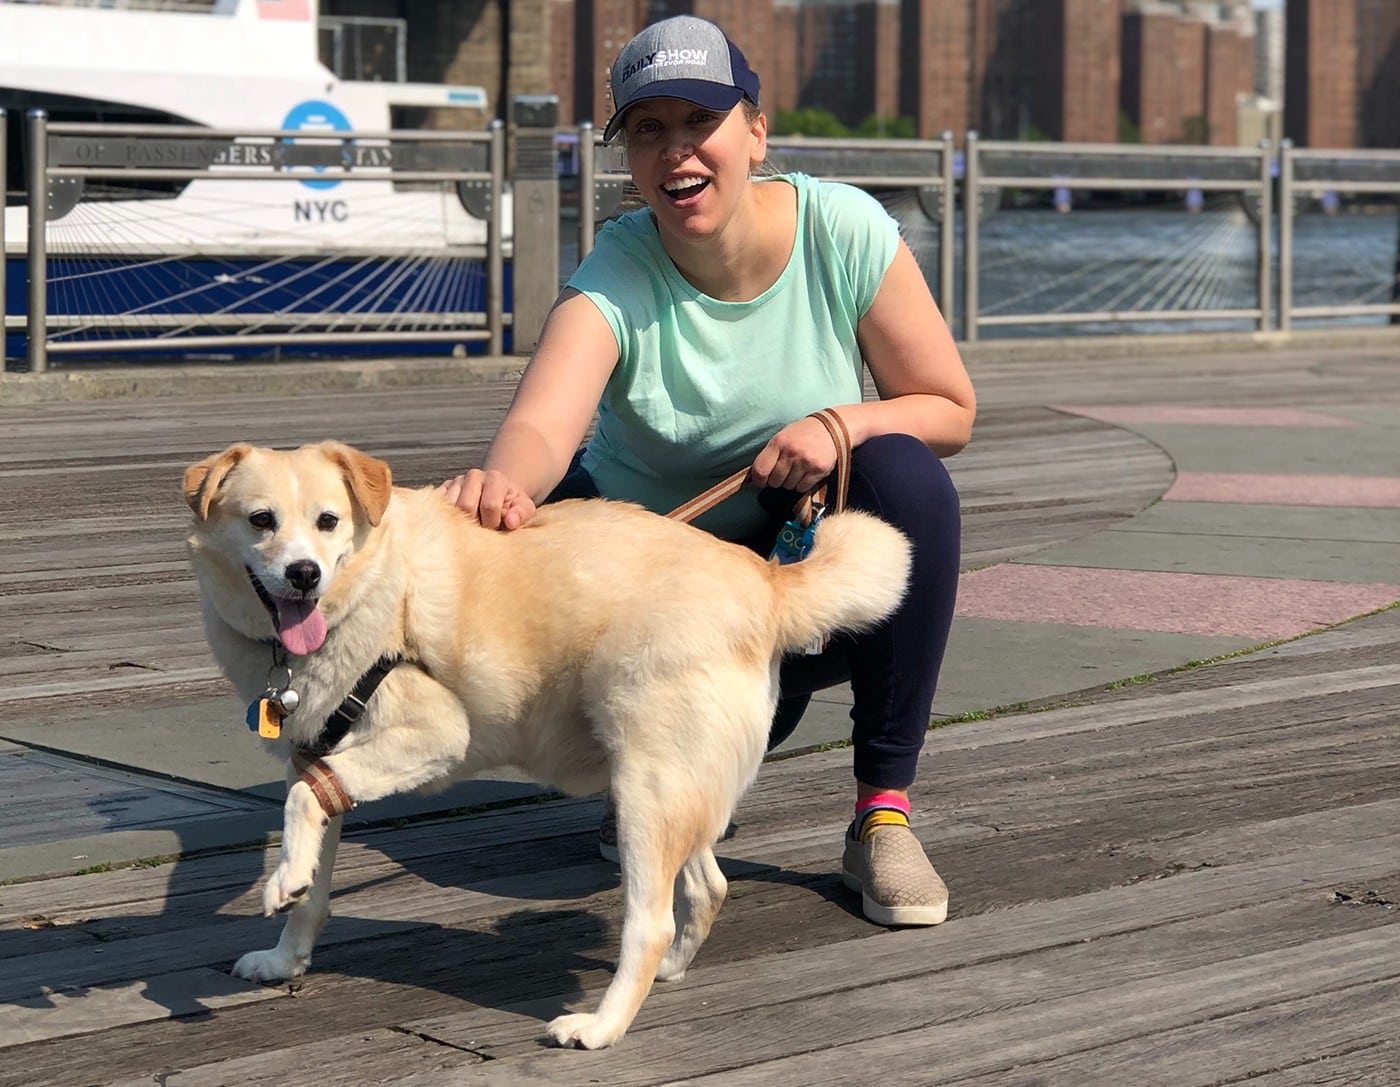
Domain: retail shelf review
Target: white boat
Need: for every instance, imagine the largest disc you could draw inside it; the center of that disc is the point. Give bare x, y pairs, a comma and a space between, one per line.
370, 246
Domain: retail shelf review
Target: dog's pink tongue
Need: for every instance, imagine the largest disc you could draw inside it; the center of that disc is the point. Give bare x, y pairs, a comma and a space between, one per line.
301, 626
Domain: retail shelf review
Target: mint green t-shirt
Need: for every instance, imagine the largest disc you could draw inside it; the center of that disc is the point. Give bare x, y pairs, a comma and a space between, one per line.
701, 385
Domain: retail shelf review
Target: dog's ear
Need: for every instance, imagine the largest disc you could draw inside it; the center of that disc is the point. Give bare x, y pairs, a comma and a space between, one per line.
202, 480
369, 480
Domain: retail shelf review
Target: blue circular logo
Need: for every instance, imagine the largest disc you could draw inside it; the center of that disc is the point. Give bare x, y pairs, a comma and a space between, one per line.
316, 116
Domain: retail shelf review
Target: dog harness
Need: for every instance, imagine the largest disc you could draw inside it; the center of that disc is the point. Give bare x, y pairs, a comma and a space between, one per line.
308, 761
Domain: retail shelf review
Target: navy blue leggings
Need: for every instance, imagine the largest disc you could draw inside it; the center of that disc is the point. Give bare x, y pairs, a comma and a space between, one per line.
893, 668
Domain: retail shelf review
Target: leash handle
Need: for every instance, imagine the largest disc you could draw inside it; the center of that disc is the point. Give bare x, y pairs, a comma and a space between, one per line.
726, 488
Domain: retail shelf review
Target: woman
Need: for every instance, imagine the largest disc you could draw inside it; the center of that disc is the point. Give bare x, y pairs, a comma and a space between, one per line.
704, 329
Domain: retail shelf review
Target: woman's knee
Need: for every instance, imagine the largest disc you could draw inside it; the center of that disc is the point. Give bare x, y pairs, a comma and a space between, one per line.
899, 479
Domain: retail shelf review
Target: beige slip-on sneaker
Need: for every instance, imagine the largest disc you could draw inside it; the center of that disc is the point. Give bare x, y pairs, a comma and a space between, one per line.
896, 881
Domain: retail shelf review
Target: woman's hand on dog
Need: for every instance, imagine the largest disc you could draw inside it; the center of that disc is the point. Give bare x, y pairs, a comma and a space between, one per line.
490, 497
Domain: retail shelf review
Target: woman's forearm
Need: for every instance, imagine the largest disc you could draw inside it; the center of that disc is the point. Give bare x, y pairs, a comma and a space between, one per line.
944, 425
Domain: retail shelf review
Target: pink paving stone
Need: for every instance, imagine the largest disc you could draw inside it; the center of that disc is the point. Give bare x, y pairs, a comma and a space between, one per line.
1127, 414
1207, 604
1365, 492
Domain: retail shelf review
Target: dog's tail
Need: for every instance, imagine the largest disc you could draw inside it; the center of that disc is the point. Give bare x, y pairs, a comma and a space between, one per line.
855, 576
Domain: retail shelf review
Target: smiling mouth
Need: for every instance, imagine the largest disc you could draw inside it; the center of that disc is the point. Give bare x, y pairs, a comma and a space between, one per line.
685, 188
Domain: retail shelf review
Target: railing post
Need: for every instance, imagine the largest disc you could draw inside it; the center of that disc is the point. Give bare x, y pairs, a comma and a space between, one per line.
1266, 217
1285, 236
947, 228
495, 245
971, 207
534, 122
587, 198
4, 196
36, 322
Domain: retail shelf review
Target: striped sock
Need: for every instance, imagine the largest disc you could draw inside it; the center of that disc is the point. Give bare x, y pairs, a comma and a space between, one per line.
880, 810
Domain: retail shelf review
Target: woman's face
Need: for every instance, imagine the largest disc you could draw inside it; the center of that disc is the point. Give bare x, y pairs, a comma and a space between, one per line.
692, 164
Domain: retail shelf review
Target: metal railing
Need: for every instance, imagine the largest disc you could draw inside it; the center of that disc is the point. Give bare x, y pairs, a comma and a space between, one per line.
946, 186
1336, 172
1111, 167
64, 157
922, 167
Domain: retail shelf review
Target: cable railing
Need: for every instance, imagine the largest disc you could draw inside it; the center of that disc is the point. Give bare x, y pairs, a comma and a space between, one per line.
162, 238
1069, 238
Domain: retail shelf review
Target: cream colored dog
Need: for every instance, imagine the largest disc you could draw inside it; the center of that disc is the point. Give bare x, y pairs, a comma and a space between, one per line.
598, 647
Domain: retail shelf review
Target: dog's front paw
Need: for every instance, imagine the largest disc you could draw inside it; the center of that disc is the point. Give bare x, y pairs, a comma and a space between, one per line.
285, 889
583, 1032
273, 964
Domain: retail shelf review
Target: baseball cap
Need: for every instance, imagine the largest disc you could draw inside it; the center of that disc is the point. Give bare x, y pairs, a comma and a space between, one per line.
681, 57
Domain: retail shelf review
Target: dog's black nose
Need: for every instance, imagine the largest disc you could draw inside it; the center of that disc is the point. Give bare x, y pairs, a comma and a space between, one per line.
303, 574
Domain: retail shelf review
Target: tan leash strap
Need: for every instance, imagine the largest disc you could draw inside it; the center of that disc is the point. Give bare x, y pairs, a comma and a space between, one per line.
707, 500
726, 488
322, 782
841, 438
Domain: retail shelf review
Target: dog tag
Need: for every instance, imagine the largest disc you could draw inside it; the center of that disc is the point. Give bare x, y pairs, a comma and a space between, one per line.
265, 718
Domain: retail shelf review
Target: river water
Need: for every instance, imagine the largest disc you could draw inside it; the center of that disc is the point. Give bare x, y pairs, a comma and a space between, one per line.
1040, 261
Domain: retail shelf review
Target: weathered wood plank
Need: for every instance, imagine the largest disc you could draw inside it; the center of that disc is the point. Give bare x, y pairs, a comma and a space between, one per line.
1372, 1066
995, 1043
505, 958
58, 1013
377, 1056
1242, 1047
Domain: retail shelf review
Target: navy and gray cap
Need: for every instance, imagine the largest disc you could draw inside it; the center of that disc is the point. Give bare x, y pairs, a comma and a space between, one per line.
681, 57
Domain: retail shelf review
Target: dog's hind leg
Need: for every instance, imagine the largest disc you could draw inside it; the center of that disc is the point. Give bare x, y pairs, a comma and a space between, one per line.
309, 911
650, 863
700, 891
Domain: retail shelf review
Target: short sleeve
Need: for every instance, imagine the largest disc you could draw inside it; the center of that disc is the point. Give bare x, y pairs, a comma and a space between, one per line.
618, 278
863, 232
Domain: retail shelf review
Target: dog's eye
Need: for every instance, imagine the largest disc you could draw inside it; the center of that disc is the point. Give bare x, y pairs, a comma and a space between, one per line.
327, 521
262, 519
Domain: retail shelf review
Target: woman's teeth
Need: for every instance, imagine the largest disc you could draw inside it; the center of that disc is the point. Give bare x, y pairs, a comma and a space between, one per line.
686, 186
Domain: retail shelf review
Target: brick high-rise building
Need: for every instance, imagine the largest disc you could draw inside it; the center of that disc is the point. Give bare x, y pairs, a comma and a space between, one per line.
1047, 67
1268, 53
1229, 74
780, 79
1378, 72
1151, 83
597, 32
934, 56
1091, 70
846, 56
1321, 91
1185, 68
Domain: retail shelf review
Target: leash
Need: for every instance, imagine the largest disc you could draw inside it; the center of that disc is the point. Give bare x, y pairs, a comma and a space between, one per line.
729, 487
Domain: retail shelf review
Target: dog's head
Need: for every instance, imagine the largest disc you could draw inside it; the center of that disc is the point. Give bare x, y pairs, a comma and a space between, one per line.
289, 521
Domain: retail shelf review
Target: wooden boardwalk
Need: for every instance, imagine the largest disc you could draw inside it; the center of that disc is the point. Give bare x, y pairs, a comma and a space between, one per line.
1186, 882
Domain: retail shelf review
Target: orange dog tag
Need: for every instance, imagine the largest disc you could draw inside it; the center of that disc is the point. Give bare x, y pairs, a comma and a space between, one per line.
265, 719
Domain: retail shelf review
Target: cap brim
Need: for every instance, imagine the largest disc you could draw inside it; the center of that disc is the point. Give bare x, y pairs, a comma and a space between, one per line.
702, 92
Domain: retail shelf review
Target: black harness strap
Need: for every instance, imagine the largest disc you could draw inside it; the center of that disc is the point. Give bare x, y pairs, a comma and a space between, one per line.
352, 709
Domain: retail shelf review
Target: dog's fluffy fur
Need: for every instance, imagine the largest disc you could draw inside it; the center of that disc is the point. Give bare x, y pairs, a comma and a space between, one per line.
599, 646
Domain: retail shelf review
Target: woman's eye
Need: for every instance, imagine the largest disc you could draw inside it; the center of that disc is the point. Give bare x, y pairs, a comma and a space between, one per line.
262, 520
327, 522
